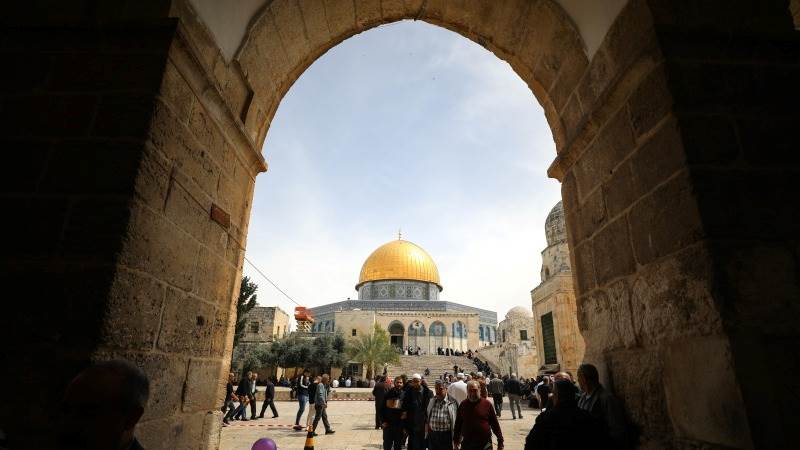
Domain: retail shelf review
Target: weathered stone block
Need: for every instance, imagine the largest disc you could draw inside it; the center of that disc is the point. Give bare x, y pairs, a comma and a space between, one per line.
665, 221
619, 191
612, 144
613, 256
182, 431
716, 413
316, 24
658, 159
133, 312
650, 102
292, 31
571, 72
672, 299
368, 13
160, 248
606, 320
584, 267
597, 78
186, 324
214, 280
637, 378
590, 215
341, 18
175, 92
203, 385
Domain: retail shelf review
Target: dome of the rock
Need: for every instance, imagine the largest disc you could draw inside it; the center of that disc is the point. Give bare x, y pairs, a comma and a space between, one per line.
399, 260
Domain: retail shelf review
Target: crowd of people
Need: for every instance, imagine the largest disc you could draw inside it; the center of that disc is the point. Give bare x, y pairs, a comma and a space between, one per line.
457, 414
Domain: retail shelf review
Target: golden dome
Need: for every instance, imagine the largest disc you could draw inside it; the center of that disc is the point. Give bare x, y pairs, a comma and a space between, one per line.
399, 260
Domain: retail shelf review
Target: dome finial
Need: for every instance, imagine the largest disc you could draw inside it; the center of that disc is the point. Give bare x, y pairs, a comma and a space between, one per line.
399, 234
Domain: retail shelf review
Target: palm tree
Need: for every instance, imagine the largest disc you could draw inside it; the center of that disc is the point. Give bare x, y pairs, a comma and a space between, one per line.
372, 350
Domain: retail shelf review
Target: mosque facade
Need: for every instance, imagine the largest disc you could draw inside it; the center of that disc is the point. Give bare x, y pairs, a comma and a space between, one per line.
398, 288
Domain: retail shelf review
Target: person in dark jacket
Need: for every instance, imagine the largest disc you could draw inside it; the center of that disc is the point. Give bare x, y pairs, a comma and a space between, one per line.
393, 417
243, 392
564, 426
269, 399
227, 406
416, 406
602, 404
379, 393
302, 384
514, 389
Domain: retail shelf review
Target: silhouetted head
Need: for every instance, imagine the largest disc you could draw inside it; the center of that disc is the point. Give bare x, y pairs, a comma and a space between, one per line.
102, 406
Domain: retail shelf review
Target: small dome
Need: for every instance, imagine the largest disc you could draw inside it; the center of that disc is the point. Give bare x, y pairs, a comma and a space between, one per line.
399, 260
554, 227
519, 312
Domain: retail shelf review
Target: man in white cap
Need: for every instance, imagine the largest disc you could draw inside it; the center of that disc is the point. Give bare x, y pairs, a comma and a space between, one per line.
458, 390
415, 405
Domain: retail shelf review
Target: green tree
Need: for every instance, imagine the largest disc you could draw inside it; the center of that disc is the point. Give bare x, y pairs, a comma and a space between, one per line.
372, 350
246, 302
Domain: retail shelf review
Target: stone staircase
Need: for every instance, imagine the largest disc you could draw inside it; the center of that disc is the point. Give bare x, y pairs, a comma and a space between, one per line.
438, 365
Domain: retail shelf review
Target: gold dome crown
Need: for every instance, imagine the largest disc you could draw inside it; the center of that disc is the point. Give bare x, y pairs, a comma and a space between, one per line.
399, 260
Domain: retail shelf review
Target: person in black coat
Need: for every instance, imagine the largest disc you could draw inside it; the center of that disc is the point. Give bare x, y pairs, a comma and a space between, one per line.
393, 417
564, 426
243, 392
379, 393
228, 406
269, 399
416, 407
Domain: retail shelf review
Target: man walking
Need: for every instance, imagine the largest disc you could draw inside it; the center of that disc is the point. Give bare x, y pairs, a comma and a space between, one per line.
475, 422
269, 400
458, 390
441, 413
243, 391
496, 390
227, 406
302, 384
379, 394
321, 405
393, 417
514, 390
415, 406
252, 395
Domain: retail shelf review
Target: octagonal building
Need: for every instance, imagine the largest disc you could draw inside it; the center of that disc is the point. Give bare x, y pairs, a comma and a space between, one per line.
398, 288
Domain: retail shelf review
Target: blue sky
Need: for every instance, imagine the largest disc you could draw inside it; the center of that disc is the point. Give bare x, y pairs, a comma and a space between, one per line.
407, 126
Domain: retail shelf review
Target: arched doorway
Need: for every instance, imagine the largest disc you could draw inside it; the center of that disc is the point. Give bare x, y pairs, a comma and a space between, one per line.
417, 336
644, 221
437, 332
397, 334
458, 336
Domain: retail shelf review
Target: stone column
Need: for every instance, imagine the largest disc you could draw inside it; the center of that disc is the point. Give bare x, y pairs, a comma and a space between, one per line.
129, 177
684, 241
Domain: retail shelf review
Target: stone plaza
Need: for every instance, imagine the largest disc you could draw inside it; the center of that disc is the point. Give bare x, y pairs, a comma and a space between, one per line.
354, 425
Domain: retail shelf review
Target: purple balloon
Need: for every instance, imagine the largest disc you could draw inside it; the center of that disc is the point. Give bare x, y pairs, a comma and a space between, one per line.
265, 444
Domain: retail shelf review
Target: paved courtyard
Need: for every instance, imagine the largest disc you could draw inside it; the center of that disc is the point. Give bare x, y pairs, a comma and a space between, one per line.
353, 421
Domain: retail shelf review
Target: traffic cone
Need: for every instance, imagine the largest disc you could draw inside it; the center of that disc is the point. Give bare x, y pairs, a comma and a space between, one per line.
309, 439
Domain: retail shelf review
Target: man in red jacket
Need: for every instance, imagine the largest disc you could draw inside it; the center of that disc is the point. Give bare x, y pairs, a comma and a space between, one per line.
475, 422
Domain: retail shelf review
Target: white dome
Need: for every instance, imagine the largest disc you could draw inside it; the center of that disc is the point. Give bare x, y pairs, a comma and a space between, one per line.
519, 312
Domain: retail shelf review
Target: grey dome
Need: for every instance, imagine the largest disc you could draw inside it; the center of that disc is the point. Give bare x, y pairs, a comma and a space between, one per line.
554, 227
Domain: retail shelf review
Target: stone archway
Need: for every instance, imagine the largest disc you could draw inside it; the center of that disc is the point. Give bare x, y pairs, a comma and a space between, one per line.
660, 134
397, 334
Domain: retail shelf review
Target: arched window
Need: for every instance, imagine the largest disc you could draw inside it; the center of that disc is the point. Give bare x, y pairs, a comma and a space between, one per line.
480, 333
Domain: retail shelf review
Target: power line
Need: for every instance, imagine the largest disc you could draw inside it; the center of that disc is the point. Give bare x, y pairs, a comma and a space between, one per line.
270, 281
